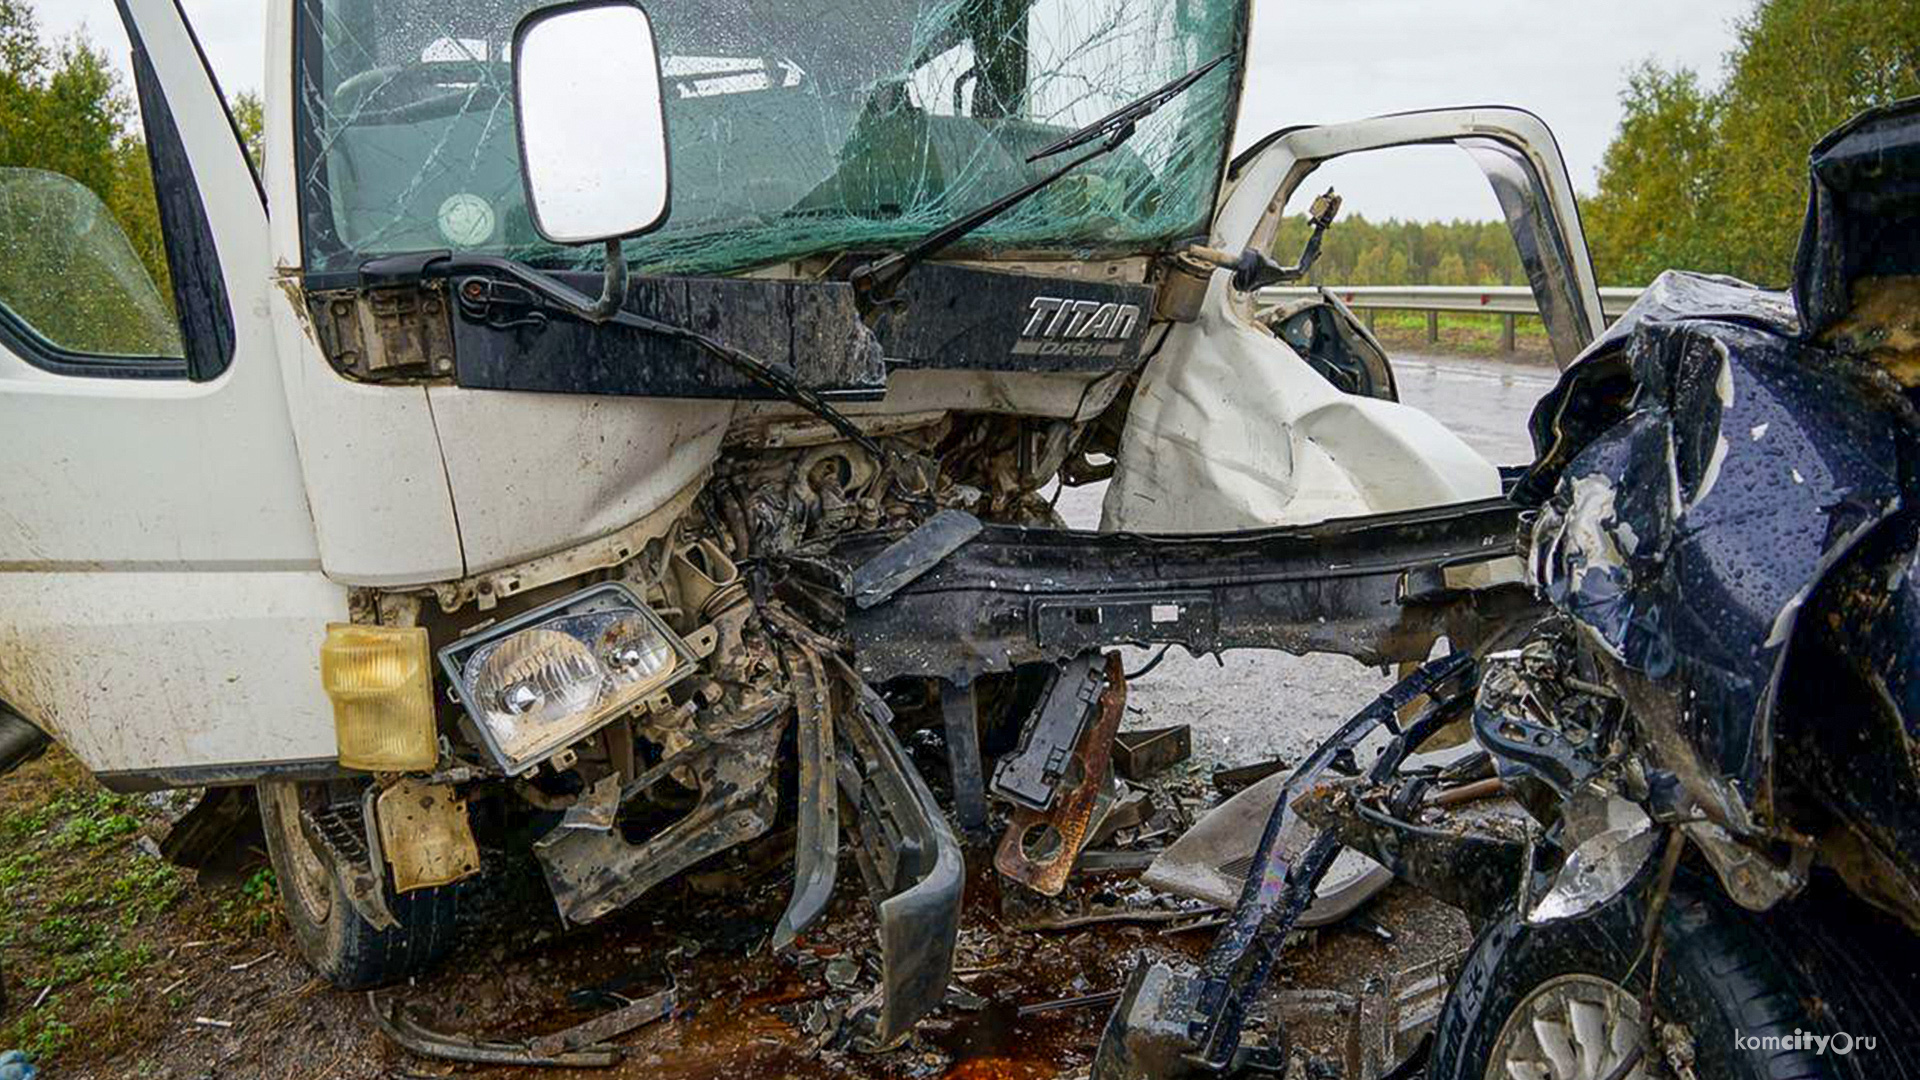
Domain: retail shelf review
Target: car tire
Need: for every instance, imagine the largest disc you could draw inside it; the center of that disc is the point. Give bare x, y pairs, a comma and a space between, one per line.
342, 946
1525, 987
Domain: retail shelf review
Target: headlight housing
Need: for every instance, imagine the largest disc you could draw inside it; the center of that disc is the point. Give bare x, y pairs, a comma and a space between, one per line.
381, 685
540, 682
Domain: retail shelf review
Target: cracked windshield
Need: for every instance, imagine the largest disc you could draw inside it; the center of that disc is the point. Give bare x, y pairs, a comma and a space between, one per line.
796, 129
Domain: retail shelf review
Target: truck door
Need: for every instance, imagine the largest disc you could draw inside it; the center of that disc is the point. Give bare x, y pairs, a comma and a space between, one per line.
1514, 149
1229, 429
161, 601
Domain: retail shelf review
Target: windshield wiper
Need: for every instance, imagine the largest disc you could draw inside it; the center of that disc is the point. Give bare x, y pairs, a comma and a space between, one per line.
1124, 117
609, 310
874, 282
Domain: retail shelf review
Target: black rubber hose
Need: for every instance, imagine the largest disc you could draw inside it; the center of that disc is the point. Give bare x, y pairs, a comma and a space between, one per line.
1151, 664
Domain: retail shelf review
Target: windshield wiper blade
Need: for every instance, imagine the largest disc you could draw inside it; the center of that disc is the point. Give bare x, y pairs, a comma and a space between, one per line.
874, 282
608, 310
1131, 113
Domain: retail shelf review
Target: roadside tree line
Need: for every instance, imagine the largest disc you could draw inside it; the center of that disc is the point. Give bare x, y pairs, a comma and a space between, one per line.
64, 108
1704, 175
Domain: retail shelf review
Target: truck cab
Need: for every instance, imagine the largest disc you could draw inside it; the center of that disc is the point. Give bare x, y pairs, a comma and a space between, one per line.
356, 512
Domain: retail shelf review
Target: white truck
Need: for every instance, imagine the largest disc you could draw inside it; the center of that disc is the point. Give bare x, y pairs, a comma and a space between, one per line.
557, 419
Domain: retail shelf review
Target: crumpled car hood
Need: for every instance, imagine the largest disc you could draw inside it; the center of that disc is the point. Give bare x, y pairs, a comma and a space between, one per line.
1701, 467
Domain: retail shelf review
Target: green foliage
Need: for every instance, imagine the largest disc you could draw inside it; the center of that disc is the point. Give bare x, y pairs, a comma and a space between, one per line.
250, 117
1717, 179
1696, 177
1362, 252
148, 888
1656, 206
84, 902
252, 909
94, 808
90, 830
42, 1040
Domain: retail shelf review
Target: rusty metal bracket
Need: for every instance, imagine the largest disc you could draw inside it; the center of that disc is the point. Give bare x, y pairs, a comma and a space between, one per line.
816, 854
393, 1023
425, 834
1039, 847
385, 335
592, 873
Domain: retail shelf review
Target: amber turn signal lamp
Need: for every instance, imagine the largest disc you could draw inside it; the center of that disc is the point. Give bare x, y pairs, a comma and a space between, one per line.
381, 685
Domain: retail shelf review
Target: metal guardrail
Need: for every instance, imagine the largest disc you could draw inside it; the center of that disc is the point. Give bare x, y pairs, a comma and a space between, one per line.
1511, 301
1491, 299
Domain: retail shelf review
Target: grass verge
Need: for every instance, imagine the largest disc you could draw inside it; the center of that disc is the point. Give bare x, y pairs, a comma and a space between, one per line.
1464, 334
95, 920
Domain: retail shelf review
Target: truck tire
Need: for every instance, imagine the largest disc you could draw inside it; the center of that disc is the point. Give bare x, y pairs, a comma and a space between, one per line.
1559, 1001
20, 741
342, 946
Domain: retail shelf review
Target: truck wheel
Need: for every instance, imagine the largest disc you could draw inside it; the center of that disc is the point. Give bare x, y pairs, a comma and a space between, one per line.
344, 947
1558, 1001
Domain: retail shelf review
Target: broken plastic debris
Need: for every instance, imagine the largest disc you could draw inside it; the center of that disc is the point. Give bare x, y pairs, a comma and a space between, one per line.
842, 973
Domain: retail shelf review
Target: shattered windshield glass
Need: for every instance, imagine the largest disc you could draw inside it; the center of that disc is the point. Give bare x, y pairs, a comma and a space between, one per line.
797, 127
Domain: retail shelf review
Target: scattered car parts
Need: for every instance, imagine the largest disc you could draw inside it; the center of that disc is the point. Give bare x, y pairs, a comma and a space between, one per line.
580, 1047
1138, 755
1039, 847
1171, 1024
1211, 861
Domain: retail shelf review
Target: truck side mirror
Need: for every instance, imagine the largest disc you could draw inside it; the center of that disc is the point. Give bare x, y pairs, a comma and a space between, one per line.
593, 128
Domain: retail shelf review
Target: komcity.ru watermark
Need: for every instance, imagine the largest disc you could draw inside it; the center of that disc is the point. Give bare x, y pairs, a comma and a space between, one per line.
1839, 1043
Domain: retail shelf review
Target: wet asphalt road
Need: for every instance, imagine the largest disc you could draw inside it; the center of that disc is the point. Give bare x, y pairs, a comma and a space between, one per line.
1253, 705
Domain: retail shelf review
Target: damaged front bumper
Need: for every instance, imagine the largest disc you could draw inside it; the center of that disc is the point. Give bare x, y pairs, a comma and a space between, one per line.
907, 853
957, 600
912, 863
1376, 588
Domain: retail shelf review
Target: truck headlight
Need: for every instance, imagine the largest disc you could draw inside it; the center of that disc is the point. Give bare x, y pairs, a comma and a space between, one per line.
542, 681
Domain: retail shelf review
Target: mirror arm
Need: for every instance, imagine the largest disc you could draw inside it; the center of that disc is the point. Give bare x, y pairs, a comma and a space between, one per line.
613, 290
1257, 270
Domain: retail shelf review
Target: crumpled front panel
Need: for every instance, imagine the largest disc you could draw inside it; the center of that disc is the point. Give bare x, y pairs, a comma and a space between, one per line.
1685, 536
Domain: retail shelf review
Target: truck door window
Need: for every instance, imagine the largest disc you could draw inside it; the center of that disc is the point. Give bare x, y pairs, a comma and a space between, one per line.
71, 281
86, 286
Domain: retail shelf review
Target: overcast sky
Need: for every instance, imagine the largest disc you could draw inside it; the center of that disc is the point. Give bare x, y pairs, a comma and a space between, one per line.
1316, 62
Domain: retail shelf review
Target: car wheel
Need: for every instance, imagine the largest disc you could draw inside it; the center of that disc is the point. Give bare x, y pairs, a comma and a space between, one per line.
342, 946
1563, 1001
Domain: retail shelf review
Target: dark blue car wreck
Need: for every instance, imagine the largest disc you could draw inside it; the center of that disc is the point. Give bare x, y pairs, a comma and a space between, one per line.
1708, 722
